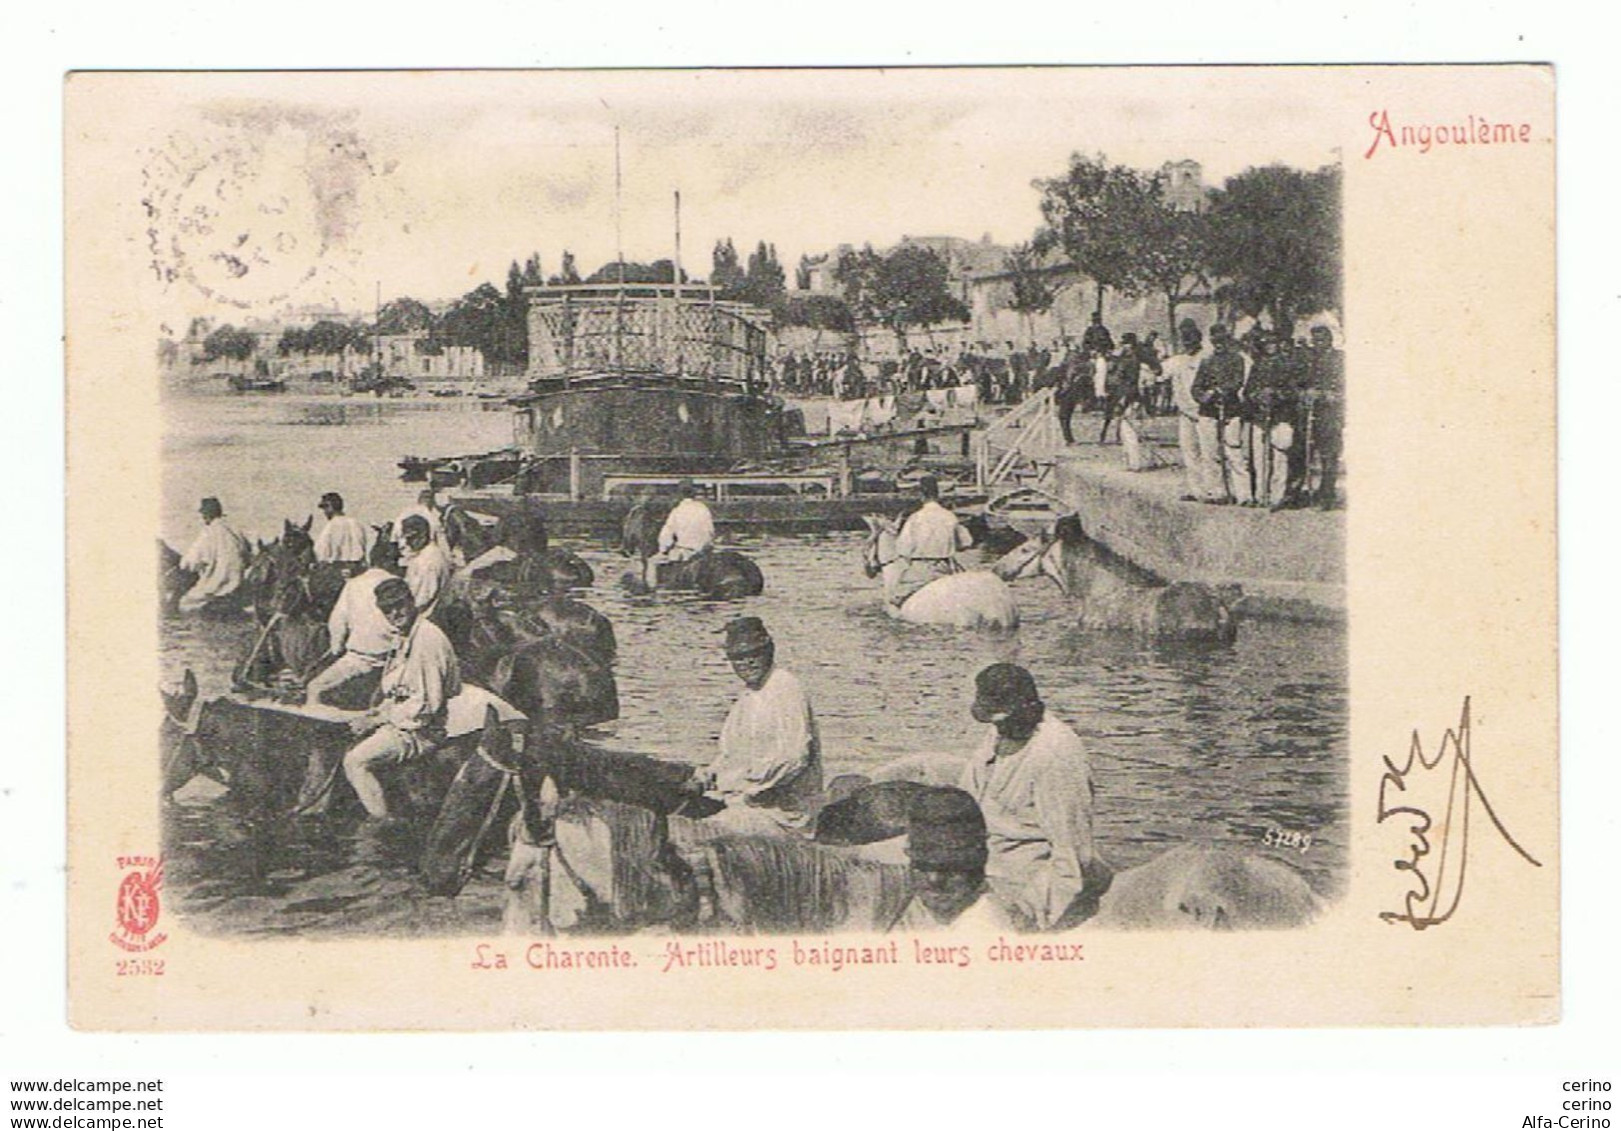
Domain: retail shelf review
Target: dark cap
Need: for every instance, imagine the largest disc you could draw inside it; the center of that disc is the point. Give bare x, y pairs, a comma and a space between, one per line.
1003, 689
746, 636
415, 522
332, 499
392, 592
1190, 333
210, 508
1219, 331
928, 486
946, 831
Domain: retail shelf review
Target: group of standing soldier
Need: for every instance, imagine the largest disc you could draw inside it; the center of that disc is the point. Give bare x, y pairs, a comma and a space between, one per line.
1257, 418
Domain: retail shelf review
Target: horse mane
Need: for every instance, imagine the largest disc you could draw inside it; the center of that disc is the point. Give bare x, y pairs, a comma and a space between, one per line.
781, 883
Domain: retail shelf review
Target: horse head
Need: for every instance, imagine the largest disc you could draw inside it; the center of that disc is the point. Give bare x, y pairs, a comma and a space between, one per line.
878, 550
177, 704
639, 533
295, 541
385, 551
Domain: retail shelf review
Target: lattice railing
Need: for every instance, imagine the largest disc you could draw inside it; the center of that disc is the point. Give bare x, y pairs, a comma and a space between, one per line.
639, 334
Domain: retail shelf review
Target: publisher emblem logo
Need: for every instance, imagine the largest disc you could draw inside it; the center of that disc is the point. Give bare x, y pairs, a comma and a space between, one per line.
138, 906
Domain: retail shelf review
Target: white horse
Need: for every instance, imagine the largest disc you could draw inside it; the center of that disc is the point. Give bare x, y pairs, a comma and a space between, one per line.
1108, 601
1189, 887
975, 598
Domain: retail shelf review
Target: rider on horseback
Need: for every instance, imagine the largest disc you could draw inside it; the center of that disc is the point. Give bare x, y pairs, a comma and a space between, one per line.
361, 636
928, 542
946, 854
1032, 778
419, 680
690, 528
769, 771
342, 539
219, 556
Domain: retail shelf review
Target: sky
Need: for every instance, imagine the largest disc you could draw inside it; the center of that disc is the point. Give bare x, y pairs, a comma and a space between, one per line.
267, 191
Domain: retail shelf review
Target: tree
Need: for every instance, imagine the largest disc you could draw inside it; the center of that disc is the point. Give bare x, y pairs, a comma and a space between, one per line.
1275, 234
1174, 256
1033, 288
802, 274
659, 271
764, 282
908, 287
532, 274
1095, 213
567, 273
403, 316
229, 342
479, 319
726, 274
819, 312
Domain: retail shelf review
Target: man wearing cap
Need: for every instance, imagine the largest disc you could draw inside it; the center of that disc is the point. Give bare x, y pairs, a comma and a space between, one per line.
419, 680
342, 539
361, 637
427, 568
690, 528
427, 508
219, 556
1032, 779
1216, 388
769, 771
946, 854
928, 542
1201, 473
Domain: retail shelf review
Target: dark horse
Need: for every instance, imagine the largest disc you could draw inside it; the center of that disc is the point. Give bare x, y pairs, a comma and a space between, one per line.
538, 567
173, 582
720, 575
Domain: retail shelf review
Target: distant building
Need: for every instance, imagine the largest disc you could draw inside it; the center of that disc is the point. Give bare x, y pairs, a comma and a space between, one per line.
1184, 185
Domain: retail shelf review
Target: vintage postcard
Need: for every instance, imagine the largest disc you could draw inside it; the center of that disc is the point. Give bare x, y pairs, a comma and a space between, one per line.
982, 547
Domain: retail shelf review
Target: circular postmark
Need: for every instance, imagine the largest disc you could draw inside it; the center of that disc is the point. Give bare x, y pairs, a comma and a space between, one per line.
249, 207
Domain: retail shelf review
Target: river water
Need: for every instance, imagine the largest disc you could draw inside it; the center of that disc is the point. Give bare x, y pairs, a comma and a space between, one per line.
1231, 747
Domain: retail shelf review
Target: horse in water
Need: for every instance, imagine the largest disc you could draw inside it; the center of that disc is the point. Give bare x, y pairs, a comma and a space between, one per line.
1189, 887
598, 844
531, 565
1182, 612
563, 677
173, 582
975, 598
719, 575
175, 746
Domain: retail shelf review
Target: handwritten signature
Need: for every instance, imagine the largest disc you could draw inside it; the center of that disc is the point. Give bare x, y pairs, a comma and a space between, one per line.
1422, 903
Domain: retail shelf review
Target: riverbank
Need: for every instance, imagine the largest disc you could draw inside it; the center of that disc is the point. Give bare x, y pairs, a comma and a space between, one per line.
1290, 564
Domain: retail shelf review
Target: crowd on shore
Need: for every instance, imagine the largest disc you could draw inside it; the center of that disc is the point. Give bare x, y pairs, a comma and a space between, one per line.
1259, 413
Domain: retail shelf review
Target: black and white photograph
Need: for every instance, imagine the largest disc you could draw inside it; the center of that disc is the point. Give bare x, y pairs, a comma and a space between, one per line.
752, 546
785, 515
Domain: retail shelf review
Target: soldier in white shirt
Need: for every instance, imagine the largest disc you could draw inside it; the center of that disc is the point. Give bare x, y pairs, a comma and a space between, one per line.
769, 772
342, 539
928, 542
946, 854
219, 557
422, 676
427, 569
690, 528
361, 636
427, 507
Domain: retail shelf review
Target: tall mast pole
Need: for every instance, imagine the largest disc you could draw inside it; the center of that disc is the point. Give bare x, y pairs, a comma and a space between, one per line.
678, 244
619, 219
